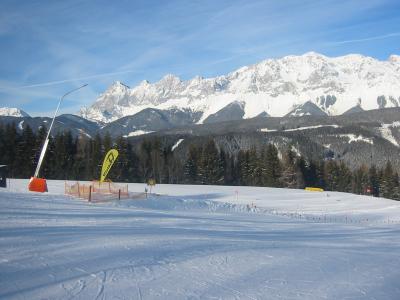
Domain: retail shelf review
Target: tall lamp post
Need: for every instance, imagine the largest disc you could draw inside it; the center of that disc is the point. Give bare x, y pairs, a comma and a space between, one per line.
37, 184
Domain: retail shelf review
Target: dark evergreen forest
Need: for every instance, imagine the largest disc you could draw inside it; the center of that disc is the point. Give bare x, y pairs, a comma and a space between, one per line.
80, 158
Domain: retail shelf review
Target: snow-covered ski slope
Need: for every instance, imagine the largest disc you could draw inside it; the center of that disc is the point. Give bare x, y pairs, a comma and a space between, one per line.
198, 242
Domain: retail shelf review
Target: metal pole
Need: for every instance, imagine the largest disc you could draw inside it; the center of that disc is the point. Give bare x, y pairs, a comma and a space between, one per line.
46, 142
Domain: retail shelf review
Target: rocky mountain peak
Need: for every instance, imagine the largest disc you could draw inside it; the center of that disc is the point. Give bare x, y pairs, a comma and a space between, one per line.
12, 112
274, 86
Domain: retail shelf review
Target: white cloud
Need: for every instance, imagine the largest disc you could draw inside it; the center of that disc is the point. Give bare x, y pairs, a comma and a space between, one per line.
371, 38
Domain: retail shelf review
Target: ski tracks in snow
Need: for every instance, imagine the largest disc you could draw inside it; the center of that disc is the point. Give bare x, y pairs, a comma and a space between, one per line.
137, 284
217, 281
101, 252
99, 278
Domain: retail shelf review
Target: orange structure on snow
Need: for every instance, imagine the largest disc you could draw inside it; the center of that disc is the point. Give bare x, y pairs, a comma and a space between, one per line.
37, 185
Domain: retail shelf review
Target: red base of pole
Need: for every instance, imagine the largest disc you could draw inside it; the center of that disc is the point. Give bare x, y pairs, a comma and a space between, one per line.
37, 185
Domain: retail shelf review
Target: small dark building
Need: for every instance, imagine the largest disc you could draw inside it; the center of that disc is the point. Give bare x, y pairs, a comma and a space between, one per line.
3, 176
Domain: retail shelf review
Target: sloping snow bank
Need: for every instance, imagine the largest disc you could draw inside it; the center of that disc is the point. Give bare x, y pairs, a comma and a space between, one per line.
57, 247
314, 206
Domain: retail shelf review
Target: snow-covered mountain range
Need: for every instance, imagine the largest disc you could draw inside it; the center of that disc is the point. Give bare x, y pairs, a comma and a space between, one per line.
293, 85
12, 112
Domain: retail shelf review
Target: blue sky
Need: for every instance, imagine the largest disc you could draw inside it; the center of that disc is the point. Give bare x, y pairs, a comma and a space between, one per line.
50, 47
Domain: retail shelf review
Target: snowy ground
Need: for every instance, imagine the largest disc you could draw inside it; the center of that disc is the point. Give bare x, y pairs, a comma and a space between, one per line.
198, 242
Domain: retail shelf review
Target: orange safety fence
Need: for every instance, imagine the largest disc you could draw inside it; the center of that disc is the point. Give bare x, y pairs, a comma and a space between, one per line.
108, 187
96, 191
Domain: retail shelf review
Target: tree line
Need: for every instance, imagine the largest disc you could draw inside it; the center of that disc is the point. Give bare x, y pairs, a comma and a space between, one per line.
80, 158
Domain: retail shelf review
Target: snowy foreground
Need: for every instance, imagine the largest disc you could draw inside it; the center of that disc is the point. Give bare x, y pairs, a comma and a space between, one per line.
198, 242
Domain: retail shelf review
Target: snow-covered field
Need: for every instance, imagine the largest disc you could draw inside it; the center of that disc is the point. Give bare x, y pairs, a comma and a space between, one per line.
198, 242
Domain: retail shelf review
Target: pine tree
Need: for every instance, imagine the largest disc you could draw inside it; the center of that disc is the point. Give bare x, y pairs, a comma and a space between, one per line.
344, 179
191, 165
311, 174
210, 165
81, 167
166, 158
373, 180
387, 183
254, 168
320, 173
176, 170
228, 165
133, 165
26, 153
332, 175
107, 142
10, 153
145, 160
272, 167
243, 167
156, 160
70, 152
300, 166
120, 170
222, 161
289, 172
96, 156
396, 188
64, 152
360, 180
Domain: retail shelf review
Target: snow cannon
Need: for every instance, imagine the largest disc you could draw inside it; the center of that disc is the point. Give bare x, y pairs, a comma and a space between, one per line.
37, 185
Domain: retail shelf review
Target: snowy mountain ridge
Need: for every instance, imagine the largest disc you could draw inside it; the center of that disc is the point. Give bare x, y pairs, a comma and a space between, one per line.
276, 87
12, 112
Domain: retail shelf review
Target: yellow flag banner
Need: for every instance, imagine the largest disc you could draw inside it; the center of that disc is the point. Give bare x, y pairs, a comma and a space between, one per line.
109, 160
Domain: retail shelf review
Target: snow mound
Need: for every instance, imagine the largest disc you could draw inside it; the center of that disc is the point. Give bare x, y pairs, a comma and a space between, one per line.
198, 242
